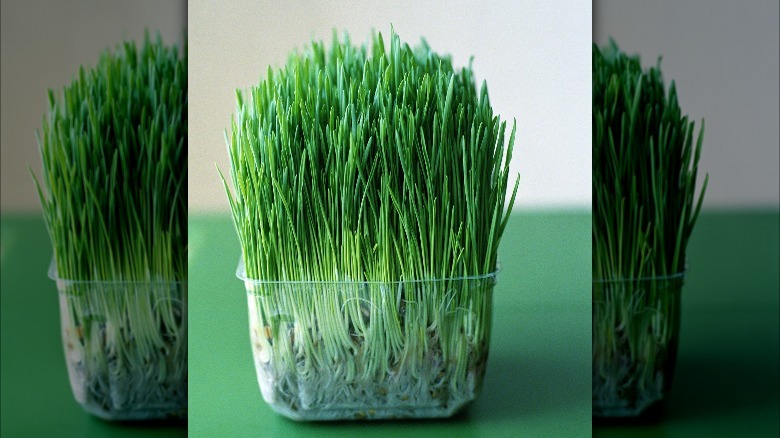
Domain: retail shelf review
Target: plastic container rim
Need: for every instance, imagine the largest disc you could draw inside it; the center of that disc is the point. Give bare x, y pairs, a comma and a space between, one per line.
66, 282
676, 276
241, 274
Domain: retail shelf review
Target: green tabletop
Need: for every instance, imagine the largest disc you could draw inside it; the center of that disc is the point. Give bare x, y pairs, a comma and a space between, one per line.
36, 398
538, 373
728, 366
538, 378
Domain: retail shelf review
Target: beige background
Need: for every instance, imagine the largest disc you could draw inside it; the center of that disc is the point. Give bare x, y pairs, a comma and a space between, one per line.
535, 56
43, 45
723, 55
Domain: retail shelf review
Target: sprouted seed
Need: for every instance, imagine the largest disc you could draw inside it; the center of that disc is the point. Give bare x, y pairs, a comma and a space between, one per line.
114, 197
368, 194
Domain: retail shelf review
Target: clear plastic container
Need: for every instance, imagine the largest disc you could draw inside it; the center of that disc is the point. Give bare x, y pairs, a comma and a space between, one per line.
125, 346
636, 330
370, 350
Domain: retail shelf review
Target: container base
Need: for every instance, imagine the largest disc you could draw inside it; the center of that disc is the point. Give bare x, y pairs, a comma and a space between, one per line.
387, 413
651, 414
136, 414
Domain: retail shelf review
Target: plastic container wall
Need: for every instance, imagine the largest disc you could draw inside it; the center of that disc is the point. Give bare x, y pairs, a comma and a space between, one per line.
369, 350
126, 347
636, 329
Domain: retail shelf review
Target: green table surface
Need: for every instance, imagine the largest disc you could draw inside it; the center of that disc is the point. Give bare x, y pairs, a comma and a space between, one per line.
727, 380
36, 398
538, 377
538, 373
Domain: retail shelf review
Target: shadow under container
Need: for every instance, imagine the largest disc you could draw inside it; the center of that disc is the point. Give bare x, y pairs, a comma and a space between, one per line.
636, 332
126, 346
370, 350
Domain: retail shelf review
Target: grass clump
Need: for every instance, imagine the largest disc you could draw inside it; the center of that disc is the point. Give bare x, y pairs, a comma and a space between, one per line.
369, 191
645, 164
114, 197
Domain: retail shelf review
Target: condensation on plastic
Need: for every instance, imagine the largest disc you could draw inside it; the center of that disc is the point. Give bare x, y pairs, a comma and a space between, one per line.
370, 350
125, 346
636, 329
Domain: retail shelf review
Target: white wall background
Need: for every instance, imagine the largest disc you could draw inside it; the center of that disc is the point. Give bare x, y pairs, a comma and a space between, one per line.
535, 56
723, 56
43, 45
